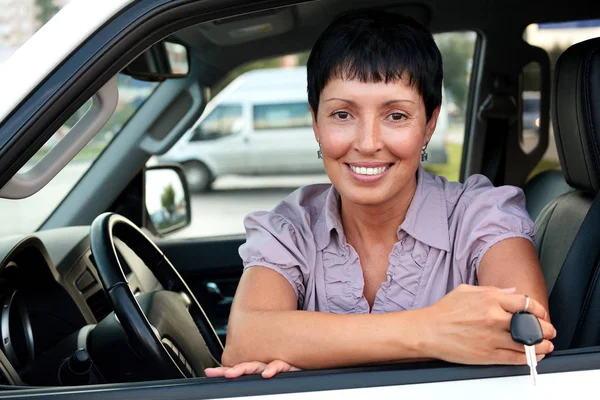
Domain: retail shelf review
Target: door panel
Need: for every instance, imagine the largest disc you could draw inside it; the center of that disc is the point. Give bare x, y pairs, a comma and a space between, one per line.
212, 269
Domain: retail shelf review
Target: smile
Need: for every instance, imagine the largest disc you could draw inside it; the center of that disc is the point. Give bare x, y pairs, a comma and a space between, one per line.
368, 170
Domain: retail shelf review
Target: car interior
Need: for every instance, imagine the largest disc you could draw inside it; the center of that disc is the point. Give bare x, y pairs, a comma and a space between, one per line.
100, 295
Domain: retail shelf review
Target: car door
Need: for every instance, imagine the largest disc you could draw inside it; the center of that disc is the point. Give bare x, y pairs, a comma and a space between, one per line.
212, 269
560, 373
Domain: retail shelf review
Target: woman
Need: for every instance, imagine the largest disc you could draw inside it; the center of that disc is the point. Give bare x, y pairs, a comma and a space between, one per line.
390, 262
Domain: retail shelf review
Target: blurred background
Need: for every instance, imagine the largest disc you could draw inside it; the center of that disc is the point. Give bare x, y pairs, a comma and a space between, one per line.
220, 200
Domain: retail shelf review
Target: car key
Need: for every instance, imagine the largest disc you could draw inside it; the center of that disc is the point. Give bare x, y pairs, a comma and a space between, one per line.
525, 329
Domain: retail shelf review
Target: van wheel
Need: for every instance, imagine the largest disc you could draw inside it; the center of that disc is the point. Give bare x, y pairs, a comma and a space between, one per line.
199, 177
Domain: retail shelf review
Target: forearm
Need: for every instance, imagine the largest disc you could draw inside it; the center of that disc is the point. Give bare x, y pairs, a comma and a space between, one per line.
313, 340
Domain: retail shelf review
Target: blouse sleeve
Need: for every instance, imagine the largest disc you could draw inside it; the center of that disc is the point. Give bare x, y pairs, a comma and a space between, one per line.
272, 242
489, 215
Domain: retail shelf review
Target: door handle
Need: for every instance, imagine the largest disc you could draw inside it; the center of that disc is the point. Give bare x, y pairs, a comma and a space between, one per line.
213, 288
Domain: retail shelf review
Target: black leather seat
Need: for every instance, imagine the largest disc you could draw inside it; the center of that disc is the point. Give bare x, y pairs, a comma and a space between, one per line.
542, 189
575, 295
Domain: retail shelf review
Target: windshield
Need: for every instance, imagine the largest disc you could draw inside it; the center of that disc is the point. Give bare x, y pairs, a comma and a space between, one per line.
27, 215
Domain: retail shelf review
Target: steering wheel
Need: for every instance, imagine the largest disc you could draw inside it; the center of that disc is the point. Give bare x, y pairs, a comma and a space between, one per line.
167, 327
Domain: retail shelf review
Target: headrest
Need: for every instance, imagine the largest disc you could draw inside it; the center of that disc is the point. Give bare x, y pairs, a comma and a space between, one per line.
576, 114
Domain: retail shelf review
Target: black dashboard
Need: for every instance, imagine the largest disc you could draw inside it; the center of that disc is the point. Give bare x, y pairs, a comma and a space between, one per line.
50, 292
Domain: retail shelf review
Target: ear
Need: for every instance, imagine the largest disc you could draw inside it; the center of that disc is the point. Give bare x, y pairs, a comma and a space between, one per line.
431, 124
314, 123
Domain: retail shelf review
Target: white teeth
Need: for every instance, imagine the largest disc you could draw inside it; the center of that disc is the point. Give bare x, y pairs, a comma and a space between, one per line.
368, 171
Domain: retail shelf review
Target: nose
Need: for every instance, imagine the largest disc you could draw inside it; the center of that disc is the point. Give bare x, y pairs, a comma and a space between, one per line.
368, 140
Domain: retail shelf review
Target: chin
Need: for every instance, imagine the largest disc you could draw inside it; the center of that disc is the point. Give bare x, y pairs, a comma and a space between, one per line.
365, 196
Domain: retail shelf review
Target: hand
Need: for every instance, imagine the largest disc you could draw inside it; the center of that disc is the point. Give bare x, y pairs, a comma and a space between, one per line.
471, 325
248, 368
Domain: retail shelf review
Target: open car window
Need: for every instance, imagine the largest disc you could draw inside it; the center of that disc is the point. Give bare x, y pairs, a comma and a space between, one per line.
27, 215
254, 144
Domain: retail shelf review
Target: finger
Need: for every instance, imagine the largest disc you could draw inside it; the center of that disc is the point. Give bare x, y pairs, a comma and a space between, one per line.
516, 302
247, 368
544, 347
275, 367
548, 329
215, 372
511, 357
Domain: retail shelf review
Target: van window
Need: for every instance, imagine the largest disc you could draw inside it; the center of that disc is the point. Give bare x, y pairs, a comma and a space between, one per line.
282, 116
224, 120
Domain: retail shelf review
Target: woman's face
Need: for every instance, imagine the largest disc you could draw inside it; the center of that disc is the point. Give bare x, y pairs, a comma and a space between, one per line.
371, 136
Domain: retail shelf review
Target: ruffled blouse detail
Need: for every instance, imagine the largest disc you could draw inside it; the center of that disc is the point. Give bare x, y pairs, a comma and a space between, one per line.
449, 226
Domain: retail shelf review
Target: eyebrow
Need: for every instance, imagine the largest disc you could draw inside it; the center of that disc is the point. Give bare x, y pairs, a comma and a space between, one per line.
387, 103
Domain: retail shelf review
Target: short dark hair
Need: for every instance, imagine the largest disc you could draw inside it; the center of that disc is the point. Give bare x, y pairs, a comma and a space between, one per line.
376, 46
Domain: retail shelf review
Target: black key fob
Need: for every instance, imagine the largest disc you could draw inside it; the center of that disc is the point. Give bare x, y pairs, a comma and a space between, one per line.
525, 328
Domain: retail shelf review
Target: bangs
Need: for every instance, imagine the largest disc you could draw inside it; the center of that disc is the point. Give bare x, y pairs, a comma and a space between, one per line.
374, 47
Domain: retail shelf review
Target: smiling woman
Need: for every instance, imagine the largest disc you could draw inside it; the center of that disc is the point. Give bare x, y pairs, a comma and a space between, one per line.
383, 264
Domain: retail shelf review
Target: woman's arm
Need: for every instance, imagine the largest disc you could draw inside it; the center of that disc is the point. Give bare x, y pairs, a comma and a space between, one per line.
264, 325
470, 325
514, 263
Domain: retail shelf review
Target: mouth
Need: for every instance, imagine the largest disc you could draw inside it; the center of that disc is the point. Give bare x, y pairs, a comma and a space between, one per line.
369, 170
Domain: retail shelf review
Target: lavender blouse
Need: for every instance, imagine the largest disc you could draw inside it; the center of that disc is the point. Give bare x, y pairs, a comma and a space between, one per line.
448, 228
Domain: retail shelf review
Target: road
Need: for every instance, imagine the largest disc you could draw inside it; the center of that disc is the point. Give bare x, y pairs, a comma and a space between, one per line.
222, 210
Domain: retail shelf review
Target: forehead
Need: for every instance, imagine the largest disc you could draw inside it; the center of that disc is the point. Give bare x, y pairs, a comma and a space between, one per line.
400, 89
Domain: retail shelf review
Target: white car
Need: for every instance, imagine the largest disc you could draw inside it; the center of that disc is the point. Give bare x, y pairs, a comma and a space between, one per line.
98, 300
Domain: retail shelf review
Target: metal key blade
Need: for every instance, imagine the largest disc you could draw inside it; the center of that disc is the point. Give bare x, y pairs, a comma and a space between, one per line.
525, 329
531, 362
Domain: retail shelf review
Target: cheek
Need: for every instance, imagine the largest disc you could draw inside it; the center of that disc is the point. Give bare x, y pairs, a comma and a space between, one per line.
404, 144
336, 141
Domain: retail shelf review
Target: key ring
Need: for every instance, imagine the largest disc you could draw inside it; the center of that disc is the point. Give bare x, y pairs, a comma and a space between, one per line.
526, 303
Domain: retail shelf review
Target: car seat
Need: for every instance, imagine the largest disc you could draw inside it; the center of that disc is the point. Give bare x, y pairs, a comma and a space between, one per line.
574, 292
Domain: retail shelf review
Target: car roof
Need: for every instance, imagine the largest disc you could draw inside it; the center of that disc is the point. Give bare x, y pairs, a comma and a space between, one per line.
267, 85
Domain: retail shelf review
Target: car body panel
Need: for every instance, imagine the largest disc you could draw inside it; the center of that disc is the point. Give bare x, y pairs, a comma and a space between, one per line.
22, 72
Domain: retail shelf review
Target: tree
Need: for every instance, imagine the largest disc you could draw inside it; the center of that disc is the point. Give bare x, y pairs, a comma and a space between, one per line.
167, 199
46, 10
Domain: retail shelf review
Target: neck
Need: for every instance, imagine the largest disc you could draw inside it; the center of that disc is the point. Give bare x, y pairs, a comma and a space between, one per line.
366, 225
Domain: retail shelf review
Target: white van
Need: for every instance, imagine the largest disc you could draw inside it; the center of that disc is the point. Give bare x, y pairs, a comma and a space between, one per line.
260, 124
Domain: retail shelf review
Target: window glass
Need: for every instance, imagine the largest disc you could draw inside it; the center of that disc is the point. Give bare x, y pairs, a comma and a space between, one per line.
224, 120
27, 215
555, 38
257, 168
282, 116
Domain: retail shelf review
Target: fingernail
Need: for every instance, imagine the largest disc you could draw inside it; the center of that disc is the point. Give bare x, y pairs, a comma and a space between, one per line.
540, 357
545, 315
508, 290
554, 335
551, 347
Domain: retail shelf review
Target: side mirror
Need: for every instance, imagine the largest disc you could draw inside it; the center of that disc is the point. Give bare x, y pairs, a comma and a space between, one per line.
167, 199
164, 60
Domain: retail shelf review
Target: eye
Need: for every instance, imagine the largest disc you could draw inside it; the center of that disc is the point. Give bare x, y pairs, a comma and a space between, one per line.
343, 115
397, 116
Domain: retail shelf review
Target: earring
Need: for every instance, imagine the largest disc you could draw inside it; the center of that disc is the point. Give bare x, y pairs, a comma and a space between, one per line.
319, 152
424, 154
